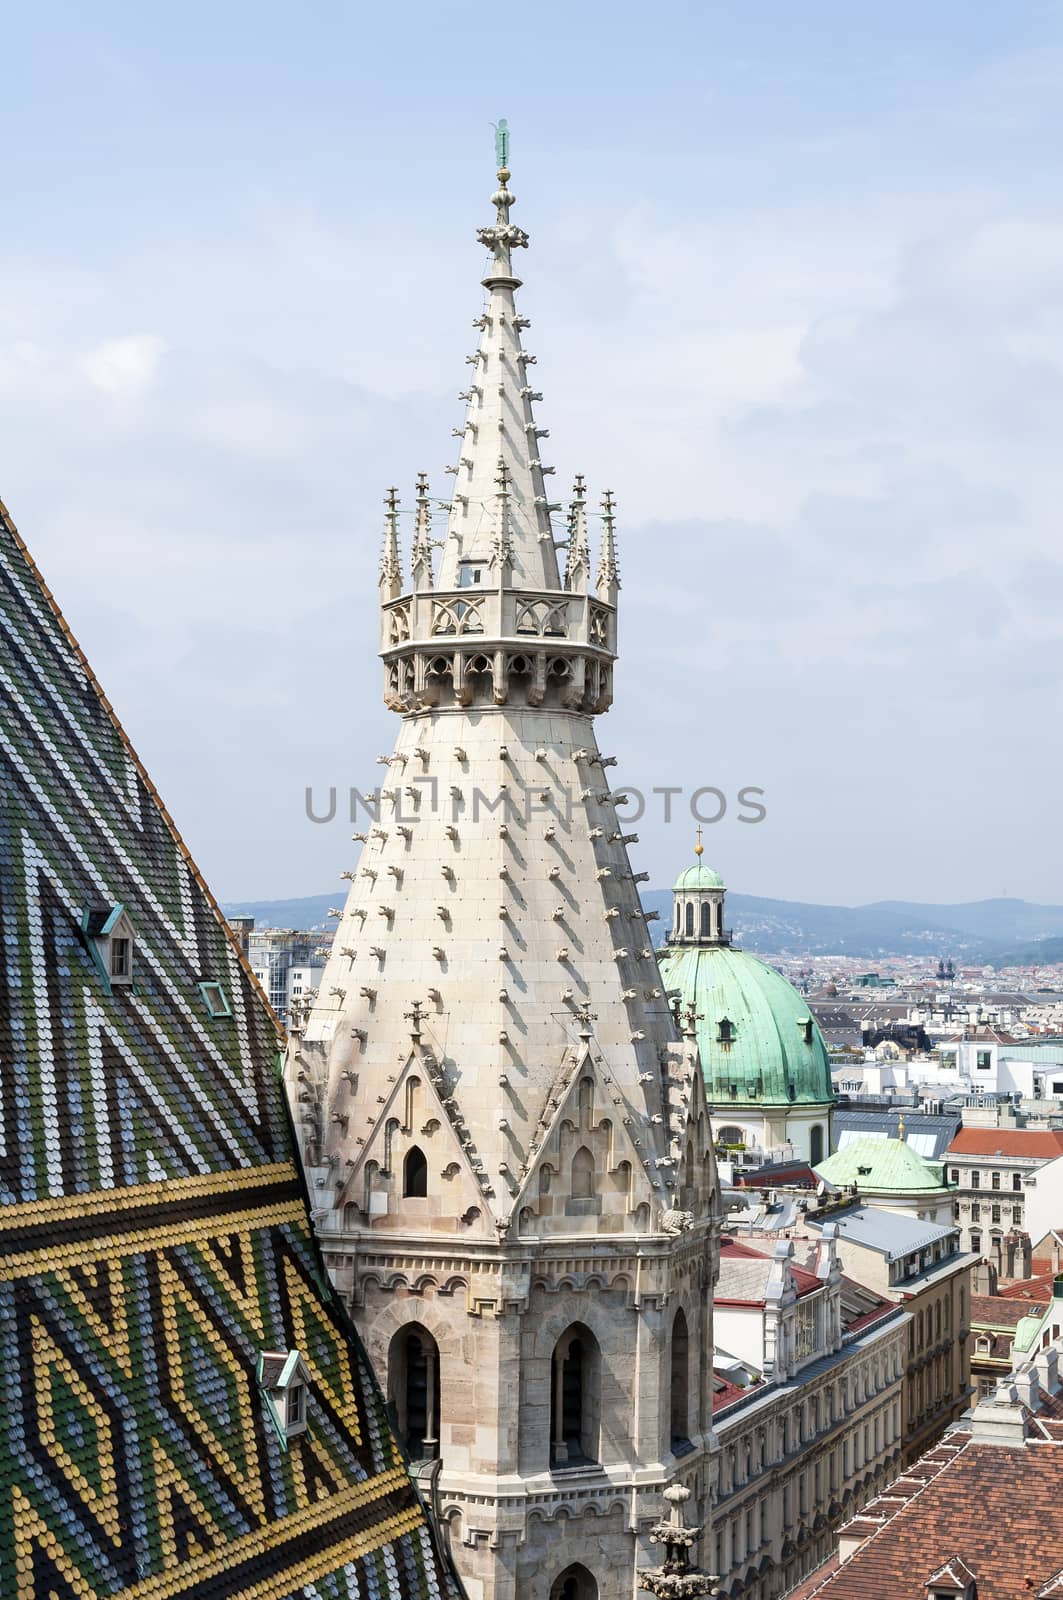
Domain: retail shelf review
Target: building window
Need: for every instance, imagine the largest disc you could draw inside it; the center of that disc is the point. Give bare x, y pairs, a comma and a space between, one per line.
680, 1384
996, 1180
983, 1061
1016, 1214
976, 1211
1016, 1181
295, 1409
413, 1390
215, 999
470, 573
995, 1214
955, 1175
415, 1174
976, 1180
690, 919
283, 1379
706, 912
725, 1033
976, 1241
816, 1144
575, 1398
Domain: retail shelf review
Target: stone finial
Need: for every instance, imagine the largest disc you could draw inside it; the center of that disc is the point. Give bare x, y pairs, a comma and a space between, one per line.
677, 1578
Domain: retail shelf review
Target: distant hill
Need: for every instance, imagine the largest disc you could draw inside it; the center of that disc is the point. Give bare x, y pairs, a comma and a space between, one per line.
310, 912
997, 920
1042, 953
1003, 932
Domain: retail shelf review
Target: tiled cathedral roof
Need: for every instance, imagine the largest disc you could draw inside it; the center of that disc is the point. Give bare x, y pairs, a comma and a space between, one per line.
156, 1239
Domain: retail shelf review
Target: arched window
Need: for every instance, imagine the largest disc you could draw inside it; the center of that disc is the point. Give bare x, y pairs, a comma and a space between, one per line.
725, 1033
690, 919
575, 1583
583, 1174
414, 1174
413, 1390
731, 1136
680, 1387
706, 913
575, 1419
816, 1144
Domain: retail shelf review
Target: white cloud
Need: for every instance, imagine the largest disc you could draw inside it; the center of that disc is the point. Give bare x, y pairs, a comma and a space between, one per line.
124, 366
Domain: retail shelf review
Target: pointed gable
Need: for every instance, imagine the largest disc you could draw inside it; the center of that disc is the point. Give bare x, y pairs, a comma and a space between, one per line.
155, 1233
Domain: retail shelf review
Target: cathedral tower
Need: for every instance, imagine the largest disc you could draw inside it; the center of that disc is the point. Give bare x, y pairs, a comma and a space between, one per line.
507, 1139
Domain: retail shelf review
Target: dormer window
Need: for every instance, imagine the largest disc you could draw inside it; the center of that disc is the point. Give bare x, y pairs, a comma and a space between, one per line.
725, 1034
283, 1379
109, 934
953, 1581
215, 999
806, 1026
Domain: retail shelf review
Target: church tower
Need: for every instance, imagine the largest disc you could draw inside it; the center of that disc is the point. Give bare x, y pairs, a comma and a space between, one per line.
506, 1137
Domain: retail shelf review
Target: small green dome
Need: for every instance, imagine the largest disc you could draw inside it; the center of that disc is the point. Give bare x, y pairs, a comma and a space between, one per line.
759, 1043
698, 876
883, 1166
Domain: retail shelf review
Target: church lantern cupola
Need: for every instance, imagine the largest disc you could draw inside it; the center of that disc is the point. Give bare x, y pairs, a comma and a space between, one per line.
698, 910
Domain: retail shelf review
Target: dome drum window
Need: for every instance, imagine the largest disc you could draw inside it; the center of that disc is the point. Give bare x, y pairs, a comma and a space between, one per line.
283, 1379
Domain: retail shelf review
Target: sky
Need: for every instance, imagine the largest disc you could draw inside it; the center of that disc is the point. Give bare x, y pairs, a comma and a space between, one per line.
796, 290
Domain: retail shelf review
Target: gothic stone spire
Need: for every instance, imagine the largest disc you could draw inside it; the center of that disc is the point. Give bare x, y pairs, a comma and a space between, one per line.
450, 640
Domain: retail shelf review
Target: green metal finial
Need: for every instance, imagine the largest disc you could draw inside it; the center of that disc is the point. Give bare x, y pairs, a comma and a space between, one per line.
501, 128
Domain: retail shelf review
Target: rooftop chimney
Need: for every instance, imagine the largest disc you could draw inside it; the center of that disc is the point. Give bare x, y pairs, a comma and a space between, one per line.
999, 1418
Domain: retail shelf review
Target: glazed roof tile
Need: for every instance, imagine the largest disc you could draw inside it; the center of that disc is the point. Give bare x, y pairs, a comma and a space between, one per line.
154, 1228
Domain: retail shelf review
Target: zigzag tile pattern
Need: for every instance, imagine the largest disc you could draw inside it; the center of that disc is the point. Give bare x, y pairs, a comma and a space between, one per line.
154, 1229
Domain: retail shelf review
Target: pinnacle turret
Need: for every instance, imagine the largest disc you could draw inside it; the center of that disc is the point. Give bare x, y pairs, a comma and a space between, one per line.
421, 555
608, 570
578, 565
390, 560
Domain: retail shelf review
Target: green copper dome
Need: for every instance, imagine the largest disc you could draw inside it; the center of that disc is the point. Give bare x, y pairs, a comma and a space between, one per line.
696, 877
883, 1166
759, 1043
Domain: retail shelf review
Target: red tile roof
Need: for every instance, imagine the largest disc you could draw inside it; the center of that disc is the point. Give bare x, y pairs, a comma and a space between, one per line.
1037, 1288
1002, 1311
995, 1508
1042, 1145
